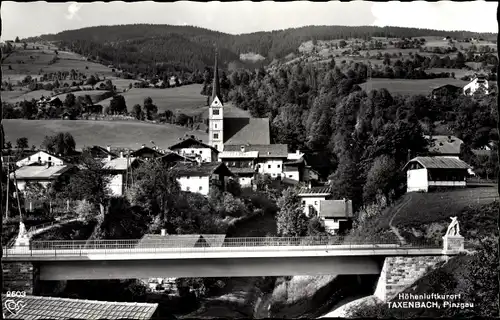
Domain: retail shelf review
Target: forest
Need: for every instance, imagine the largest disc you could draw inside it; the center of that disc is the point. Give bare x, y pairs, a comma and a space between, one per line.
187, 48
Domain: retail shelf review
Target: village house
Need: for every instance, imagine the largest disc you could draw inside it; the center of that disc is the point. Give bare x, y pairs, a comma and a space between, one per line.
336, 215
446, 90
202, 177
146, 153
311, 198
195, 149
170, 159
99, 153
427, 173
444, 146
43, 174
41, 158
242, 163
479, 81
120, 169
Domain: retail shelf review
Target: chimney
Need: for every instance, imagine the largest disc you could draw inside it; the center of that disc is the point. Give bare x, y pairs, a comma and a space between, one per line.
109, 157
242, 148
121, 154
143, 146
108, 147
298, 151
163, 232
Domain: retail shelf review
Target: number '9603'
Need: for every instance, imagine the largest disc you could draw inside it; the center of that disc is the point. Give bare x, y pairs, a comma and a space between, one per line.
16, 294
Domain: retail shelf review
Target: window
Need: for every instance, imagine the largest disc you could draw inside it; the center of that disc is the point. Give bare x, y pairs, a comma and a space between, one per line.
200, 188
192, 151
303, 202
315, 203
188, 188
289, 176
279, 166
215, 125
215, 112
187, 177
50, 158
269, 166
216, 136
29, 158
201, 151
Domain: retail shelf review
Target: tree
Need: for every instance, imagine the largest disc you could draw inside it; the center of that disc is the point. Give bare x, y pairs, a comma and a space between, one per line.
137, 112
291, 220
92, 81
382, 180
150, 110
70, 100
17, 40
59, 144
25, 45
22, 143
118, 105
89, 184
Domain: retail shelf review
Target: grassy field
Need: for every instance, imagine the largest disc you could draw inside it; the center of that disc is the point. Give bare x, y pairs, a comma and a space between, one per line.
18, 96
410, 86
125, 134
36, 60
458, 72
185, 99
96, 95
423, 208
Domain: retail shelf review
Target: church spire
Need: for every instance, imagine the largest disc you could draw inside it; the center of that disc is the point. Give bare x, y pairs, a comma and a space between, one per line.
216, 85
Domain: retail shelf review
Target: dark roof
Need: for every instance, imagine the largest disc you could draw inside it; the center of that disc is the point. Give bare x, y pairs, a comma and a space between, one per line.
119, 164
315, 190
215, 85
239, 131
174, 157
264, 150
100, 151
202, 169
480, 152
289, 181
444, 145
294, 162
239, 171
439, 163
451, 86
191, 143
335, 208
145, 149
37, 307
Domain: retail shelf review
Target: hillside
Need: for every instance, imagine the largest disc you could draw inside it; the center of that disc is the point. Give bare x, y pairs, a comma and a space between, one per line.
131, 134
188, 48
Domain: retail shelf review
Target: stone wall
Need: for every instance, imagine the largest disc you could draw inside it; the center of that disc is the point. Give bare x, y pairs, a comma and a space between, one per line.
20, 276
399, 273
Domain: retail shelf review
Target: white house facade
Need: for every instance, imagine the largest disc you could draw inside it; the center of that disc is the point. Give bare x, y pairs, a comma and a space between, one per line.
312, 197
475, 84
42, 158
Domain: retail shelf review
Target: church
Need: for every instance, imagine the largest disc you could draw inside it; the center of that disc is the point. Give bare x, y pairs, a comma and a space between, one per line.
229, 131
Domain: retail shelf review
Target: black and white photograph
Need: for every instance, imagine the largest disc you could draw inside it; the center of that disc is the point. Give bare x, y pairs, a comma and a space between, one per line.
249, 160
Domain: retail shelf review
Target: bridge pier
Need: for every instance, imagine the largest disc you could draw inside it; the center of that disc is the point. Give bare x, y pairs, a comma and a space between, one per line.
21, 276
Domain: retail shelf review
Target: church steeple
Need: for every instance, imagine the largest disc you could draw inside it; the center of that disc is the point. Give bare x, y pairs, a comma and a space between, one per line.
215, 114
216, 85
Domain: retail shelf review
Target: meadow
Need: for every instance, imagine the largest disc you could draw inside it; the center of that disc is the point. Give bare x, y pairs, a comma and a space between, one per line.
122, 134
410, 86
18, 96
95, 95
184, 99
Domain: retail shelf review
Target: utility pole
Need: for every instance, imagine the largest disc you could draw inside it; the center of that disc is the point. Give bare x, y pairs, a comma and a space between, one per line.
17, 197
8, 187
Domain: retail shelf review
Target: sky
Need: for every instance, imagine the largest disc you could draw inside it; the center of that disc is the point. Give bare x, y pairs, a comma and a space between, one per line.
37, 18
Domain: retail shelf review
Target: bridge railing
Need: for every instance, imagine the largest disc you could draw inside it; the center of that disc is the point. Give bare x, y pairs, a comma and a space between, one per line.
187, 244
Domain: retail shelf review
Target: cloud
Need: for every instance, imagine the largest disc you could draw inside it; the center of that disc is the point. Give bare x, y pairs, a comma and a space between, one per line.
73, 11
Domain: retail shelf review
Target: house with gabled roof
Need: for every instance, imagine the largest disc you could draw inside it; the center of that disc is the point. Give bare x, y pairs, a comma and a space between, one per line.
311, 198
41, 158
170, 159
42, 174
120, 169
146, 153
427, 173
202, 177
336, 215
192, 148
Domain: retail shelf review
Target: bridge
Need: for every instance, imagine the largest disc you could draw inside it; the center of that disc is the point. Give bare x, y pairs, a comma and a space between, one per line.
214, 256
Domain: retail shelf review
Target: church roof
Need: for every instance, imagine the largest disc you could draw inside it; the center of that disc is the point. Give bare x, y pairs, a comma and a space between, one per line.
238, 131
216, 86
264, 150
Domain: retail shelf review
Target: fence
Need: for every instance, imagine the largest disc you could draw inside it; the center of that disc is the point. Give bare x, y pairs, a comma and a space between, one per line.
51, 206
